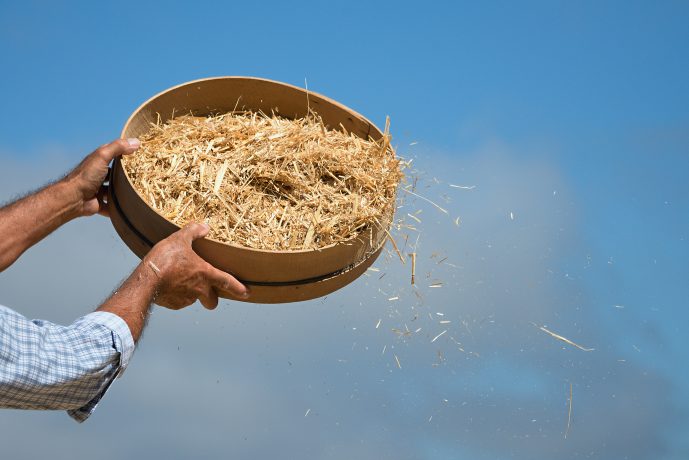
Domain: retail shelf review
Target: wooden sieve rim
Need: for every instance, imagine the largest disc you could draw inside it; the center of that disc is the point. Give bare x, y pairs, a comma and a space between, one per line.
371, 126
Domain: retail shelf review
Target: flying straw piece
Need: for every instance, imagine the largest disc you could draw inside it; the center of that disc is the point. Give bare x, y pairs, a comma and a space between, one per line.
438, 336
436, 285
414, 217
398, 362
393, 298
413, 268
457, 222
463, 187
378, 324
561, 338
394, 245
425, 199
400, 333
307, 412
569, 413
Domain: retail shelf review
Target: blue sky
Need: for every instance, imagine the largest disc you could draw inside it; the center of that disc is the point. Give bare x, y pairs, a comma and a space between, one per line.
572, 116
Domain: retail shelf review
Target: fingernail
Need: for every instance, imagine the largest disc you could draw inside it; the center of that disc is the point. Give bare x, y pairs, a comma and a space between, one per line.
134, 142
245, 295
205, 225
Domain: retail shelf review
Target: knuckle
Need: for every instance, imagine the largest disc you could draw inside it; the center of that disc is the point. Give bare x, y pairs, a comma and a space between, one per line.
101, 151
117, 145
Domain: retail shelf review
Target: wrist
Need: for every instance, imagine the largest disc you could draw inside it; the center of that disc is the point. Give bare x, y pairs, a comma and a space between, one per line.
133, 300
149, 276
70, 196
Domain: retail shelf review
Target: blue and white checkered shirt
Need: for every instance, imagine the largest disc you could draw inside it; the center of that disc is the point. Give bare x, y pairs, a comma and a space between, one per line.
48, 366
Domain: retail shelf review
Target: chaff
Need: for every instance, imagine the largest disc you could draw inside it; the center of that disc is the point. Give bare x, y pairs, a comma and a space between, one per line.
266, 182
569, 413
563, 339
438, 336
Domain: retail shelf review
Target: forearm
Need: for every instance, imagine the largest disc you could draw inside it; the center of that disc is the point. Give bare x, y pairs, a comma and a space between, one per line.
30, 219
133, 299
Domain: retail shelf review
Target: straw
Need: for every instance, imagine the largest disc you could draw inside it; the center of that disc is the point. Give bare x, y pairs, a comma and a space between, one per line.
569, 412
266, 182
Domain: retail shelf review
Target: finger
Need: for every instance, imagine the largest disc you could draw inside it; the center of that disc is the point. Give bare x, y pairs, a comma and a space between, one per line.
193, 231
90, 207
117, 148
102, 197
164, 302
226, 282
209, 298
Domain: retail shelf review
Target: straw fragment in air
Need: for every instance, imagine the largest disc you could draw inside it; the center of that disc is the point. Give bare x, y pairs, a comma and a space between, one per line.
562, 339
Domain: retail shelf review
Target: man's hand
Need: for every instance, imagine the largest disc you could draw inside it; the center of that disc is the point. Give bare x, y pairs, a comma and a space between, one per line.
171, 275
30, 219
184, 276
86, 180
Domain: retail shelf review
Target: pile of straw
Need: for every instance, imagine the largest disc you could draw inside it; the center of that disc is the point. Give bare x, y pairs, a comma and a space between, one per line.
266, 182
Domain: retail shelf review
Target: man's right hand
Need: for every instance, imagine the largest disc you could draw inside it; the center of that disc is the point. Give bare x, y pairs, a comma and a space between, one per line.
184, 276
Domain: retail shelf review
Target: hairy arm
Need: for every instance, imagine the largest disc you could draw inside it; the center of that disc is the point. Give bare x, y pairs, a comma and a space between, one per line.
48, 366
28, 220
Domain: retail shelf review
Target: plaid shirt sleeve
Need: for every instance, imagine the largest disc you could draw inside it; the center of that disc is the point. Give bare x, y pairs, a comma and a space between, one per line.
48, 366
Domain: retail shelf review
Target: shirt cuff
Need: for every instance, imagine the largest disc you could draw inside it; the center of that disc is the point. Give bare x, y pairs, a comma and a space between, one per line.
124, 342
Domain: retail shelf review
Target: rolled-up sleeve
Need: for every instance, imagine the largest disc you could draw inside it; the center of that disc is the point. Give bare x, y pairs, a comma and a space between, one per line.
48, 366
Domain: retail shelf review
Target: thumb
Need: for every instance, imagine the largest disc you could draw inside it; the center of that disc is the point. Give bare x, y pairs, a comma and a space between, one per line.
193, 231
91, 207
118, 148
